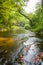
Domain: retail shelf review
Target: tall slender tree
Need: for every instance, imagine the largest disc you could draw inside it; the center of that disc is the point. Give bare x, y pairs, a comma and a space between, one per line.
42, 3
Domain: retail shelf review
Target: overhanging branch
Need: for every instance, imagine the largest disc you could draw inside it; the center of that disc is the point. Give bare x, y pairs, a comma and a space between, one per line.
26, 17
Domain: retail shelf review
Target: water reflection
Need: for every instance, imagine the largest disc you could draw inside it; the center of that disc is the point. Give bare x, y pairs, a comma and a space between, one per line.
35, 49
10, 46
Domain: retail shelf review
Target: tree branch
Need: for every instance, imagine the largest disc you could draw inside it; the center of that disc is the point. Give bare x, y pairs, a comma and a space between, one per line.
26, 17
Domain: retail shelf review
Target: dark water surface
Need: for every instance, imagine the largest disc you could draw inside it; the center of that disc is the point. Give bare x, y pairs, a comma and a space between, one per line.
11, 44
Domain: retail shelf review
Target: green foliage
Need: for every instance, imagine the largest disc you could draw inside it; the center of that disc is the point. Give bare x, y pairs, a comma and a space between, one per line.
10, 16
9, 11
27, 26
6, 10
38, 21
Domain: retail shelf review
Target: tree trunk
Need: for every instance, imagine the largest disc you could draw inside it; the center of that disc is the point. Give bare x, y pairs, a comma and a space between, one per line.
31, 22
42, 3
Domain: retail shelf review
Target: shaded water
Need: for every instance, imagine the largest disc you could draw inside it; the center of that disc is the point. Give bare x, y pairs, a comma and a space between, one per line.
11, 45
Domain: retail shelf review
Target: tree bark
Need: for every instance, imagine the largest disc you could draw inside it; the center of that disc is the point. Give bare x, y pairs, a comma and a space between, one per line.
31, 22
42, 3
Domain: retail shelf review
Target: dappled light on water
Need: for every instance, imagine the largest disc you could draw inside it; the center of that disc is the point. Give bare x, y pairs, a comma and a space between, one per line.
7, 41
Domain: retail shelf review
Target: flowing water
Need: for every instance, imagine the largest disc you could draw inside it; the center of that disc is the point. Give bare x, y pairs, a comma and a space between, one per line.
11, 45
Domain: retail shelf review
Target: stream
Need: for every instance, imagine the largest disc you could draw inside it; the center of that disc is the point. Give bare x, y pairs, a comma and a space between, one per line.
12, 45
